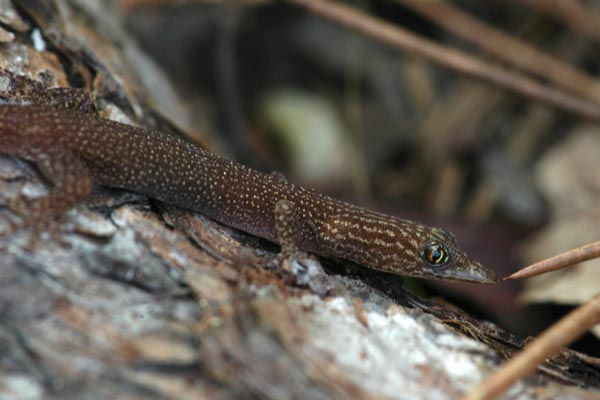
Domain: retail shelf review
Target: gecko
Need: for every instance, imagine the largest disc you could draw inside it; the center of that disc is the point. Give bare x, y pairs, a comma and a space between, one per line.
74, 149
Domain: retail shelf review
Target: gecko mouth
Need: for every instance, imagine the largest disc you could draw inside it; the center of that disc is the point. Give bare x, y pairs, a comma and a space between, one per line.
471, 272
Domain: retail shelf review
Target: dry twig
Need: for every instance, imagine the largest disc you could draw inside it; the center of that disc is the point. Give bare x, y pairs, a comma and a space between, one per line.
574, 256
404, 40
545, 346
506, 47
570, 12
554, 338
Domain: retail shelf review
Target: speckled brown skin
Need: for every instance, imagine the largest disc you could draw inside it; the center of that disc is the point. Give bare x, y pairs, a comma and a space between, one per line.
74, 150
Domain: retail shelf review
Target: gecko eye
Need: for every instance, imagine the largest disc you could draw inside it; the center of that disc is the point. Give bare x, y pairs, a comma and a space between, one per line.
436, 255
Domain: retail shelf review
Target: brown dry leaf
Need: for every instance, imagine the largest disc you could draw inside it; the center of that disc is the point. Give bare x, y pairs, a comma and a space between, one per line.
570, 180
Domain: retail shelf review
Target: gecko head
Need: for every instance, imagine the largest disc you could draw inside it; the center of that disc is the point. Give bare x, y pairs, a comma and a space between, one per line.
402, 247
441, 258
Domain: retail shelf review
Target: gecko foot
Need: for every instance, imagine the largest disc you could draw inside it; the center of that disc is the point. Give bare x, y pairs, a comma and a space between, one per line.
302, 268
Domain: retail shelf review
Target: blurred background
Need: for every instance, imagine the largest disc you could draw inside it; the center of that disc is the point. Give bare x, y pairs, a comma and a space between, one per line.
483, 120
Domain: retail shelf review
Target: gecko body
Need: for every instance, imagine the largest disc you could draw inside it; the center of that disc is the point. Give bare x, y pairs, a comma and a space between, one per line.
75, 150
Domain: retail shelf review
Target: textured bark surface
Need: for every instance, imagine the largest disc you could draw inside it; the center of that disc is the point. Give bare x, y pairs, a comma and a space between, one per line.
127, 298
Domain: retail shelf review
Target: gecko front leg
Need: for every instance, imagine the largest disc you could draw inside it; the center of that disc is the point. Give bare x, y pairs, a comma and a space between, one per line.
286, 229
304, 268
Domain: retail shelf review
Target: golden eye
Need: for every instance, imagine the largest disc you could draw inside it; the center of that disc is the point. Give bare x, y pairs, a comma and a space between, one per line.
436, 255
